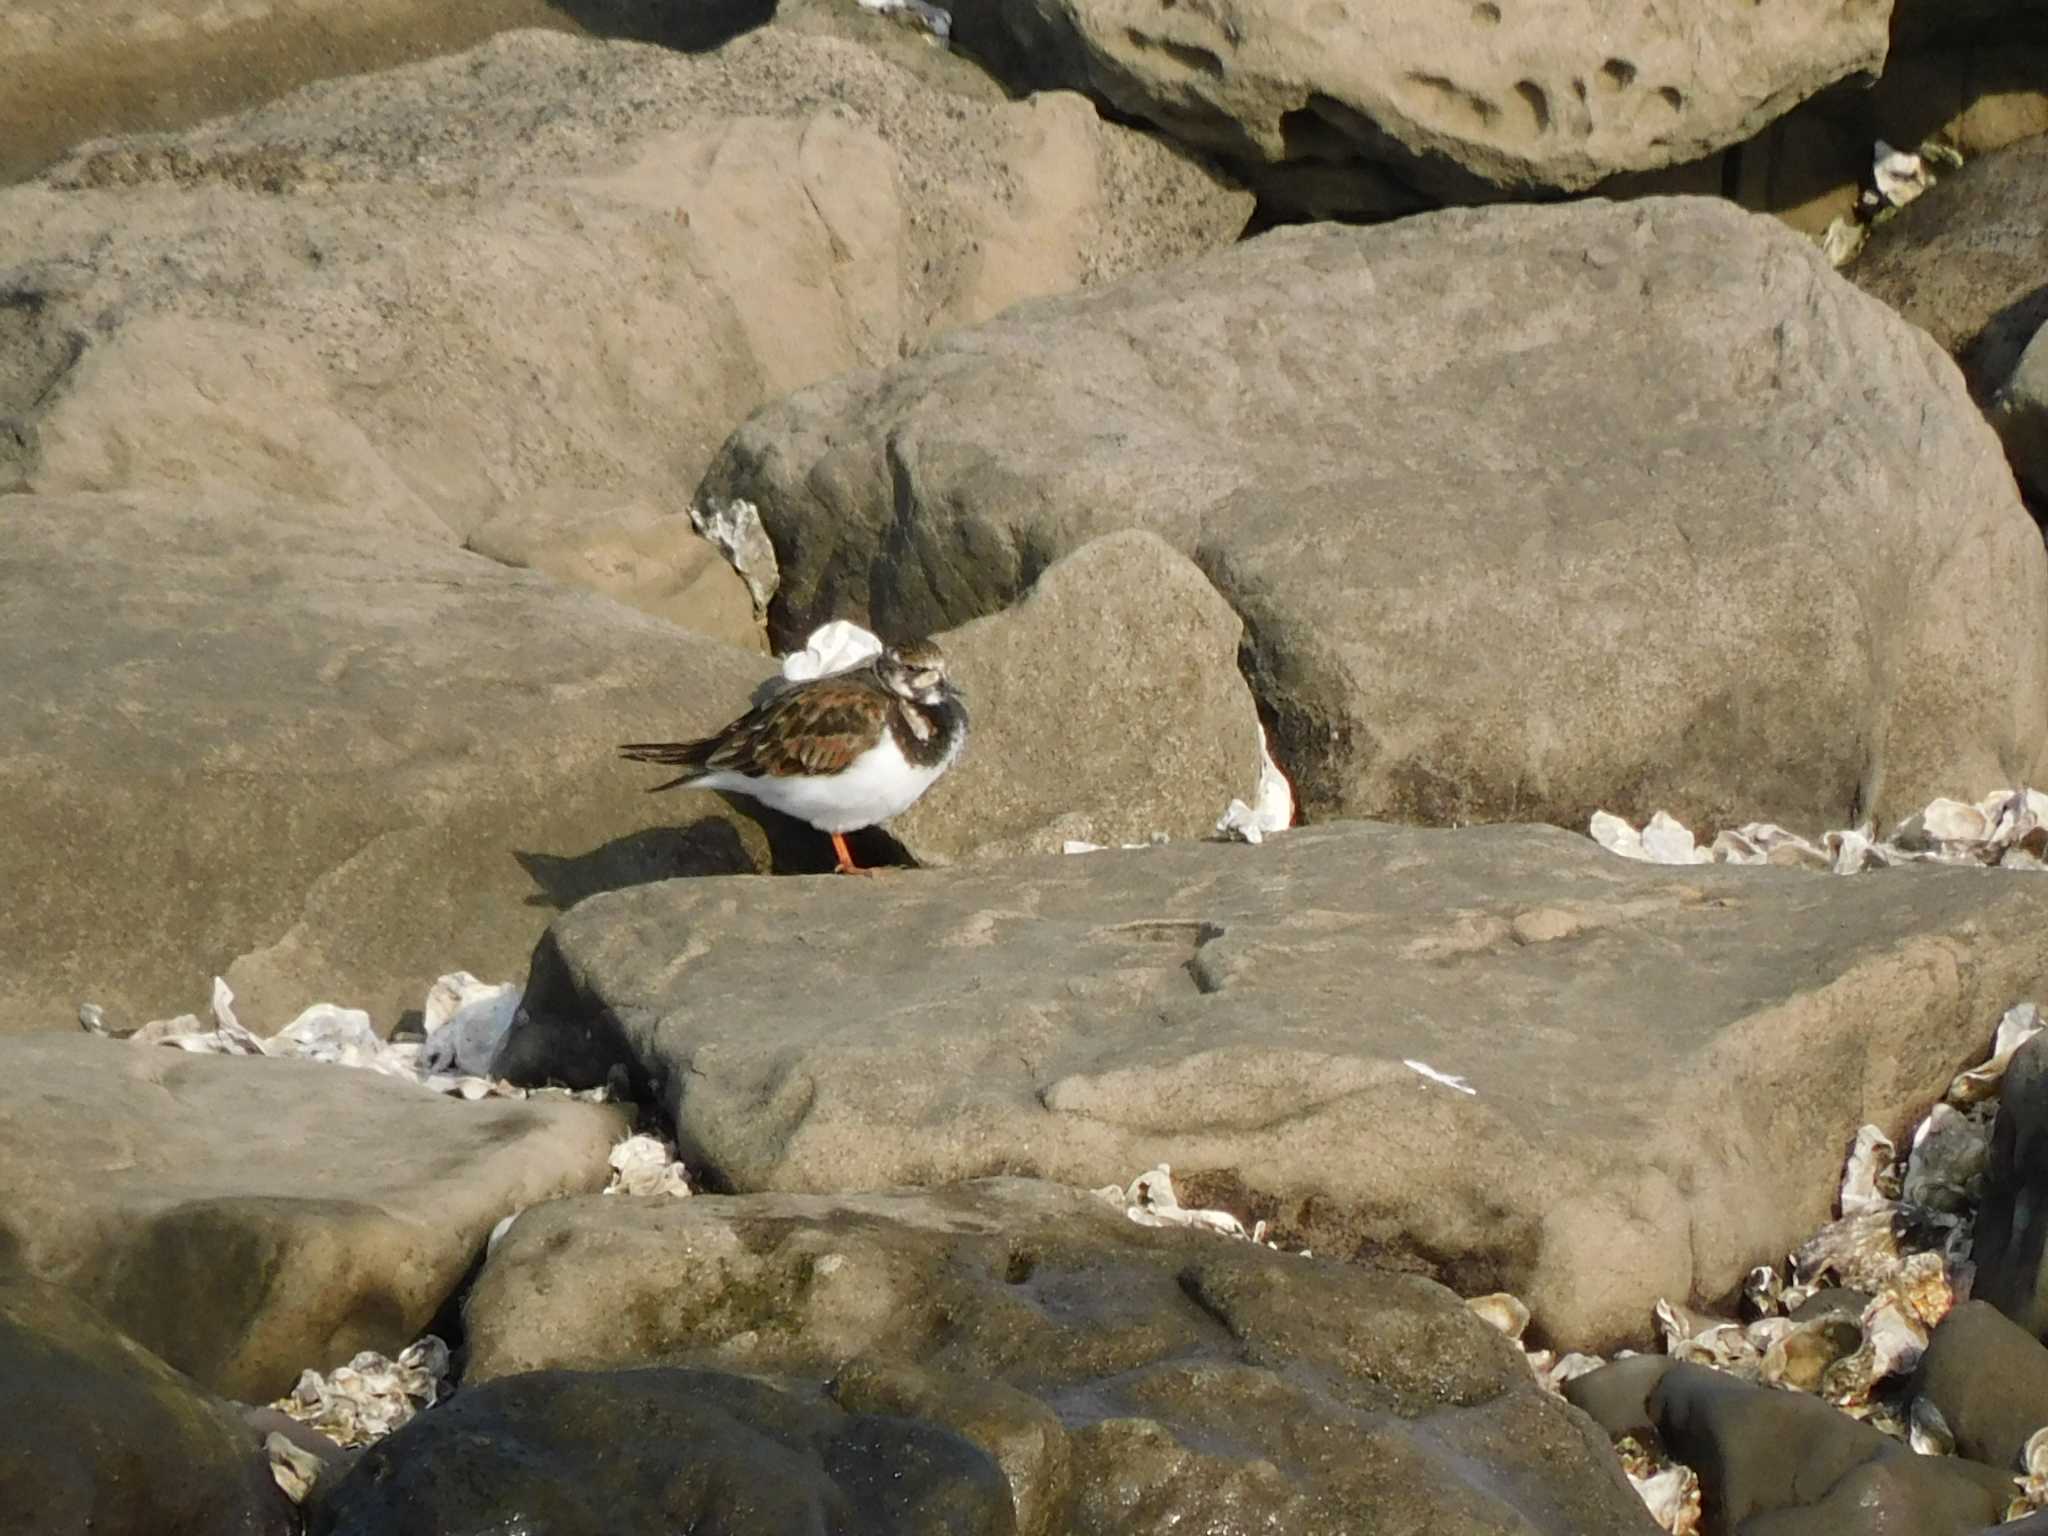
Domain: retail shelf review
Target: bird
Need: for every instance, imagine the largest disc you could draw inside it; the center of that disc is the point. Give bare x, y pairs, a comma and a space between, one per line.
841, 752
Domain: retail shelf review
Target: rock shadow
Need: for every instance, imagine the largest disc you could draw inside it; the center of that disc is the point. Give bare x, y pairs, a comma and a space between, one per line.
711, 845
696, 27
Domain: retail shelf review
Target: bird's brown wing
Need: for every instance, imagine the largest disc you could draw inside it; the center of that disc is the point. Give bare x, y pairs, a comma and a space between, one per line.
814, 728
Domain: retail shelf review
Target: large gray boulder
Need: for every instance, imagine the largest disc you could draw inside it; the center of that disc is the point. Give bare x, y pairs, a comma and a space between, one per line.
1126, 1379
250, 1217
548, 264
1528, 511
327, 756
1454, 102
1665, 1065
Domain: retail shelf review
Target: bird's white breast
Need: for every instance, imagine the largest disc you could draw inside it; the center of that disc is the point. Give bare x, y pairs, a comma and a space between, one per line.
878, 784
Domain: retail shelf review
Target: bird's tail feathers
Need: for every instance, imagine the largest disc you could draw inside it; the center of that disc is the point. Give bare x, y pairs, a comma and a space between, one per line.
687, 755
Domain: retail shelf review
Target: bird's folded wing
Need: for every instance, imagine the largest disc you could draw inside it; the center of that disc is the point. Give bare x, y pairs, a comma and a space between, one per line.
818, 728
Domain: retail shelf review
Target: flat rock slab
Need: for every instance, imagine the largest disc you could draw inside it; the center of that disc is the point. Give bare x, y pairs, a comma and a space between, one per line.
1666, 1064
248, 1217
1126, 1379
1528, 511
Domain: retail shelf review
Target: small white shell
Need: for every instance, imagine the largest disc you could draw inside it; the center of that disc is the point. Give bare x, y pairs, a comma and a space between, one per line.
1870, 1158
734, 527
1507, 1313
646, 1165
2020, 1024
1927, 1431
1945, 1167
1763, 1290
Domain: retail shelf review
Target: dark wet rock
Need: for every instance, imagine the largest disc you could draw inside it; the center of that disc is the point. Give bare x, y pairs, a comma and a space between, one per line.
247, 1218
1247, 1014
2020, 413
1617, 1395
1126, 1379
98, 1435
1965, 261
1433, 466
576, 1453
1775, 1463
1989, 1378
2011, 1248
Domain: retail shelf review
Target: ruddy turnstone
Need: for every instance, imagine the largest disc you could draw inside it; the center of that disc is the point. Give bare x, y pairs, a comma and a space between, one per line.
842, 751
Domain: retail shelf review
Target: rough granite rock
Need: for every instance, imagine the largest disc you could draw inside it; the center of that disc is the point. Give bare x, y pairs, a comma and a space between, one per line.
1989, 1378
2011, 1246
1456, 102
1528, 511
1666, 1064
247, 1217
595, 1453
547, 264
1127, 1379
1775, 1463
98, 1435
1106, 706
326, 758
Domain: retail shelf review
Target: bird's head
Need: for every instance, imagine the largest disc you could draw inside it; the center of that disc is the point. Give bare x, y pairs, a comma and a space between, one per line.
915, 670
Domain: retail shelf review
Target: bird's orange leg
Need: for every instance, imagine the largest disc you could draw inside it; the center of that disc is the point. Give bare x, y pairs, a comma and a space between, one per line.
846, 864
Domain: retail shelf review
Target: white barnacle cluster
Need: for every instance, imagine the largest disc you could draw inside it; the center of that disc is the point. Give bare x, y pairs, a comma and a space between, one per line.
465, 1021
365, 1400
646, 1165
2008, 828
